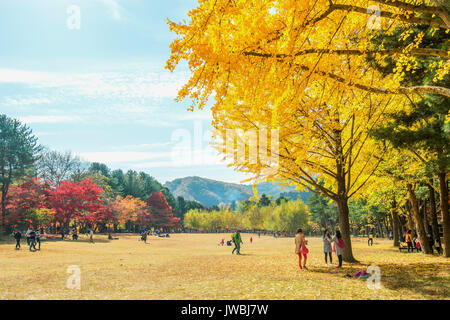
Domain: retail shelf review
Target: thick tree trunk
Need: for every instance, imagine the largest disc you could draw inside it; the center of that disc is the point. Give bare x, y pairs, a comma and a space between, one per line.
380, 229
423, 215
443, 190
395, 225
401, 226
418, 221
387, 223
344, 226
409, 218
433, 212
3, 226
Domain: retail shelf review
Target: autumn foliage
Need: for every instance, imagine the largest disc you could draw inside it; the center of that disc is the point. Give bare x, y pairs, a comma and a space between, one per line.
161, 212
130, 209
82, 203
30, 195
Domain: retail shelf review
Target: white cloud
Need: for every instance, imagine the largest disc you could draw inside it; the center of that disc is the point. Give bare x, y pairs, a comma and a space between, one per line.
143, 145
195, 115
24, 76
26, 101
186, 158
116, 85
122, 156
49, 119
114, 8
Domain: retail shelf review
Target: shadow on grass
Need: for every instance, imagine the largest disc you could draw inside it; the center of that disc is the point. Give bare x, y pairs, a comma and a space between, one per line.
419, 278
423, 278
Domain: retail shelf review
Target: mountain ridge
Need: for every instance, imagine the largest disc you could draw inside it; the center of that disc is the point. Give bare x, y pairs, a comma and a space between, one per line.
211, 192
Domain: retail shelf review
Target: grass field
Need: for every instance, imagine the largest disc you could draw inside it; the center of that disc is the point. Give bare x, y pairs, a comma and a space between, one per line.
193, 266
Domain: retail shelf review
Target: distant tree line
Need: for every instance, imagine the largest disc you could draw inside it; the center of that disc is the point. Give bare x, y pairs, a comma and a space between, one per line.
40, 186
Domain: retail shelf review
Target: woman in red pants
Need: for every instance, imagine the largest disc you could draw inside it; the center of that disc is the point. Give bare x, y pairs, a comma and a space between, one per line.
300, 248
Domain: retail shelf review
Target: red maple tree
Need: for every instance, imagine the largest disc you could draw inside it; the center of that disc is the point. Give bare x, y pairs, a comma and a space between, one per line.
80, 201
161, 213
32, 194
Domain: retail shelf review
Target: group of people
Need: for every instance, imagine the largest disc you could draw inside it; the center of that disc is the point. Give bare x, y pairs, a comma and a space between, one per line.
329, 241
236, 239
331, 244
33, 239
158, 233
74, 231
413, 242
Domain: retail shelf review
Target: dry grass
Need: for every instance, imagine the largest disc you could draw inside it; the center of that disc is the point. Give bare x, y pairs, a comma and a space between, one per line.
193, 266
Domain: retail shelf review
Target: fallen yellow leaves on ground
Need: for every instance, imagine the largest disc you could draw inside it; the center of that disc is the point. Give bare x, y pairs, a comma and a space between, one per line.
193, 266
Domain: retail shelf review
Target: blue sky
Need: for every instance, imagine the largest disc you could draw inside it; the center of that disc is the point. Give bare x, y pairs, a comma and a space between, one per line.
101, 91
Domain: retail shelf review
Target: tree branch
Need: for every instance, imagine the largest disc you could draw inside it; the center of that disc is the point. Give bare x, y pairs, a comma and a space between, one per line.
357, 52
401, 90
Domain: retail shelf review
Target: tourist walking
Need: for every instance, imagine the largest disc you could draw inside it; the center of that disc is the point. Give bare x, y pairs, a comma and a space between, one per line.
409, 241
327, 247
430, 241
38, 239
338, 246
27, 234
300, 248
32, 239
17, 236
370, 241
237, 242
91, 236
144, 236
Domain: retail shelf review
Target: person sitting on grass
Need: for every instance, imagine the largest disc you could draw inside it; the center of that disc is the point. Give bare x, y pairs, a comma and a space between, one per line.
418, 246
17, 236
110, 237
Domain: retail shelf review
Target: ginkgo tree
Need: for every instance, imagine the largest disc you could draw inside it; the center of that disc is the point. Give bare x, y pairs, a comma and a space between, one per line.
298, 71
395, 184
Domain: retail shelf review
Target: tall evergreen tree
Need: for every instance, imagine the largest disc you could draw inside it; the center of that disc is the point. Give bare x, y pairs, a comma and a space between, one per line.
18, 152
422, 130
